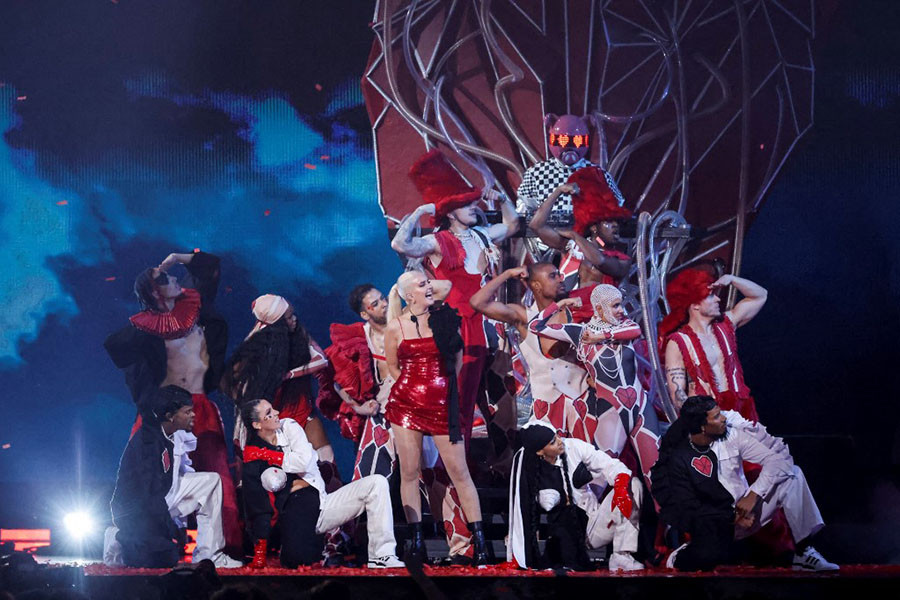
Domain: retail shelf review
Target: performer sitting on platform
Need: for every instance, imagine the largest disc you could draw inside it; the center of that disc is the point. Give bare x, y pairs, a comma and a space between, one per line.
700, 345
276, 361
179, 339
559, 384
589, 249
423, 348
157, 489
551, 474
604, 347
279, 459
700, 486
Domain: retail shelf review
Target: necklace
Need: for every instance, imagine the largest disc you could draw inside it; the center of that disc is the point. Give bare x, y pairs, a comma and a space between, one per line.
464, 236
696, 449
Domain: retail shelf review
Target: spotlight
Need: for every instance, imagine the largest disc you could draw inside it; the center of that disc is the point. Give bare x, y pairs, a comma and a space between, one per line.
79, 524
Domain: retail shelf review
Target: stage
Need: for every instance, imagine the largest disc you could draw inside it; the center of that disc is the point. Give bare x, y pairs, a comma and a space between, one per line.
100, 582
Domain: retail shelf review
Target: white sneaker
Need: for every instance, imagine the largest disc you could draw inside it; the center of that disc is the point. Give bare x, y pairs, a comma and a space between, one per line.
386, 562
223, 561
670, 562
811, 560
623, 561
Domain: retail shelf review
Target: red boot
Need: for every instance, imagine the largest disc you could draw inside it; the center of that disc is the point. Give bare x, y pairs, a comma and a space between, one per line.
259, 554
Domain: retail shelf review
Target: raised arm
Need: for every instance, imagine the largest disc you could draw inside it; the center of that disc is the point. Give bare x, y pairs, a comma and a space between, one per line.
483, 300
611, 265
676, 375
539, 225
510, 224
564, 332
415, 247
391, 342
626, 331
754, 298
203, 269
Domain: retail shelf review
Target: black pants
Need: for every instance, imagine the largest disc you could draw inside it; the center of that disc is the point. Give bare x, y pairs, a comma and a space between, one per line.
300, 544
712, 544
566, 527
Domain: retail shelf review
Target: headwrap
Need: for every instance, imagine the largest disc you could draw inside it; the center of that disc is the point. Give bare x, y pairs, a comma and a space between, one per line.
690, 286
267, 309
535, 436
440, 184
602, 297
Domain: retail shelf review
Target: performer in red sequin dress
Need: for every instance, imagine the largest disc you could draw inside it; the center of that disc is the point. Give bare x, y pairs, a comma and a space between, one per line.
423, 349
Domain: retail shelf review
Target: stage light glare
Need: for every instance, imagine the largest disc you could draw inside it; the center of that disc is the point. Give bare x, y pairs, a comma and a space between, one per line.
78, 524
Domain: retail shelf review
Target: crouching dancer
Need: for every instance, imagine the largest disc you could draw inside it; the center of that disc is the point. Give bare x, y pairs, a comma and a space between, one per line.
552, 474
700, 486
157, 489
305, 510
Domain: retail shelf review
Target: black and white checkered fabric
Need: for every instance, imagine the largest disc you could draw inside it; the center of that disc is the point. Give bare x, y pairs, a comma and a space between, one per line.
544, 177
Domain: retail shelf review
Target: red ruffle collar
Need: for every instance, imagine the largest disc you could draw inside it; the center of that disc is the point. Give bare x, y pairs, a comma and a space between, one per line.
173, 324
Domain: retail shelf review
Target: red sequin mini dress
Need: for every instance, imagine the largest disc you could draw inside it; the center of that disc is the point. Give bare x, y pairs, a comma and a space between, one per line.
418, 399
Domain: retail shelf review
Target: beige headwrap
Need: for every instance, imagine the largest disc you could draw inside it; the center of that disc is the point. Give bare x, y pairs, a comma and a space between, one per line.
267, 309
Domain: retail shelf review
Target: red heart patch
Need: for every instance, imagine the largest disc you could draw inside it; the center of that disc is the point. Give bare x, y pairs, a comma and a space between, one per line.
702, 465
626, 396
580, 408
541, 408
382, 436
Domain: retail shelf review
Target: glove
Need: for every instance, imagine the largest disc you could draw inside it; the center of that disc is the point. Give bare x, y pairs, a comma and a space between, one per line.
259, 554
272, 457
622, 495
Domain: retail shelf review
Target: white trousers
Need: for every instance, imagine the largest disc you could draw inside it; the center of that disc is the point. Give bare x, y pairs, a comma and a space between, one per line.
199, 493
800, 509
606, 525
370, 494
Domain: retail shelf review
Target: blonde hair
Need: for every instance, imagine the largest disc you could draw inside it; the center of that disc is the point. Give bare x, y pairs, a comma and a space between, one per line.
397, 295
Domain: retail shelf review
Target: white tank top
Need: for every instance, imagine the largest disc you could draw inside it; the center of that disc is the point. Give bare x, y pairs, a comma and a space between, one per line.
551, 377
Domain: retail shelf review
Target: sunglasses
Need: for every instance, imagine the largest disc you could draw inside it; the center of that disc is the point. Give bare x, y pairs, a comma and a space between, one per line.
564, 140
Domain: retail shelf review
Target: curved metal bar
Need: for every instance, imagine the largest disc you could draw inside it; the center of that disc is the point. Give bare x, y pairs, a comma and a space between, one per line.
648, 323
744, 183
681, 117
515, 74
653, 107
433, 96
770, 171
417, 123
653, 134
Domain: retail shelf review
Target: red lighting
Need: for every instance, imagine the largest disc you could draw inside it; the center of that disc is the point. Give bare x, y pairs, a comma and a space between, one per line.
25, 539
552, 139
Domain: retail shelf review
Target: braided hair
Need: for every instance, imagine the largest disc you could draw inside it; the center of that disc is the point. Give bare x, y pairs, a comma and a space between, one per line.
259, 364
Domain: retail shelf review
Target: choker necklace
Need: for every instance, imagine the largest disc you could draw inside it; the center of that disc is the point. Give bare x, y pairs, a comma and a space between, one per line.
412, 317
465, 235
696, 449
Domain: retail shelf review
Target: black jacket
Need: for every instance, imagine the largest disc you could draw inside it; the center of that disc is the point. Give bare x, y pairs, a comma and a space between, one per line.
685, 494
258, 508
142, 356
139, 510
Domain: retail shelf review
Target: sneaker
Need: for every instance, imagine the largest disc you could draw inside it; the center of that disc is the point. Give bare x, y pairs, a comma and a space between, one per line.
811, 560
386, 562
623, 561
223, 561
670, 562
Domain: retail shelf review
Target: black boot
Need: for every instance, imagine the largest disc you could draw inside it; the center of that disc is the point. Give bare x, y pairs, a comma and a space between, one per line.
479, 545
416, 551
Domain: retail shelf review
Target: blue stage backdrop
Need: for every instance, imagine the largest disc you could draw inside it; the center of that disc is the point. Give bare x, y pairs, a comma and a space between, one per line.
134, 129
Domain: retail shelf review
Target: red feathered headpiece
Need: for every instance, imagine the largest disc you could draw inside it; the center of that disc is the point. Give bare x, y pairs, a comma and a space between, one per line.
440, 184
690, 286
595, 201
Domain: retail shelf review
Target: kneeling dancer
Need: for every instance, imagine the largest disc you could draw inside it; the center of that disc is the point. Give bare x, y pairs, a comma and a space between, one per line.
700, 486
551, 474
157, 489
305, 510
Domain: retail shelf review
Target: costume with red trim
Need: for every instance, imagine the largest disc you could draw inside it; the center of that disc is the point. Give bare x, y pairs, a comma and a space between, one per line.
595, 201
139, 350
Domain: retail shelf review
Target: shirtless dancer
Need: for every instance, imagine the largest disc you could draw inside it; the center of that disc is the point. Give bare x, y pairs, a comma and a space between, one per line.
179, 339
701, 347
559, 385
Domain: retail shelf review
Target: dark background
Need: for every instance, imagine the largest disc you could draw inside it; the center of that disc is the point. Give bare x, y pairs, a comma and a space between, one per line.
134, 129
